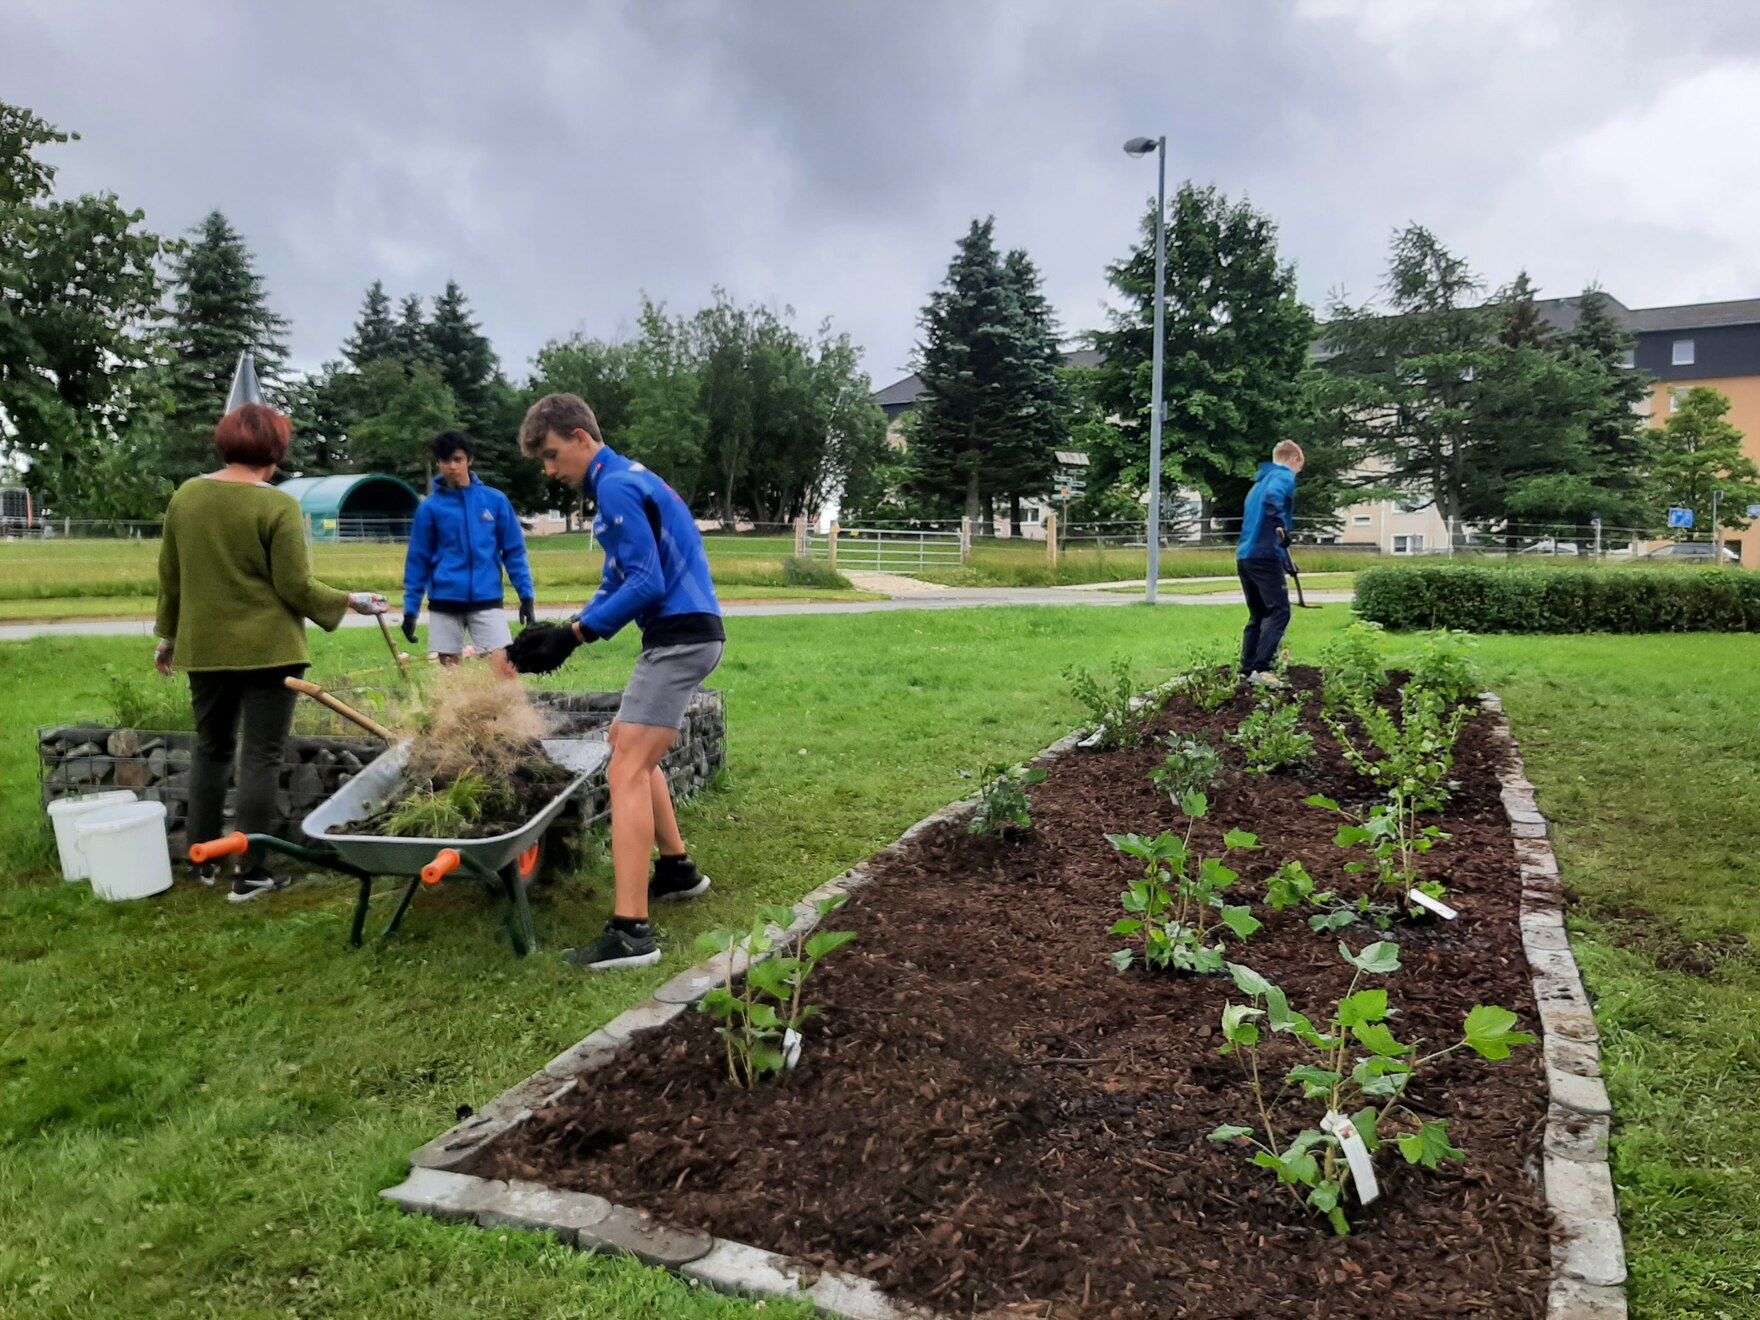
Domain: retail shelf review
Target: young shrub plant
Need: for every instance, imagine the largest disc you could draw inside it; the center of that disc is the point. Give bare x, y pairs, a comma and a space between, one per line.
1177, 909
1004, 807
1445, 665
1292, 886
1212, 677
1115, 711
1192, 766
1272, 736
1351, 668
1353, 1081
760, 1017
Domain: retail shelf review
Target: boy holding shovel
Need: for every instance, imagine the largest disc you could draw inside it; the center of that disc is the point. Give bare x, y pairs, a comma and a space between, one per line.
656, 576
1266, 523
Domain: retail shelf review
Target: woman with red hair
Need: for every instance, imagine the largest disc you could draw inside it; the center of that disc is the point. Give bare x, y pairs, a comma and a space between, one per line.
235, 590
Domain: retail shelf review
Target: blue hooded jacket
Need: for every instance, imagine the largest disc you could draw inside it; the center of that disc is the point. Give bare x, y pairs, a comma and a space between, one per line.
656, 570
1270, 504
460, 542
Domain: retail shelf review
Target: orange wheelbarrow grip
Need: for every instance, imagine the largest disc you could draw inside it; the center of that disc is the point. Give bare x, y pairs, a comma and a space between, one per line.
445, 862
231, 846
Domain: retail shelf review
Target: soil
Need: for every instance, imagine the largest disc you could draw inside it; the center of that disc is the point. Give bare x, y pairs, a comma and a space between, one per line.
990, 1118
525, 793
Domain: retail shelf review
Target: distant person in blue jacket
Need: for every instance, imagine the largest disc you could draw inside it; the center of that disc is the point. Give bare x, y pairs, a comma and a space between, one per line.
657, 577
1266, 525
465, 534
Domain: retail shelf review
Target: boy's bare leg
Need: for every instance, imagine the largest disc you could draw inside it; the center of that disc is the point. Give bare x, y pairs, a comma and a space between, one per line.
666, 835
636, 753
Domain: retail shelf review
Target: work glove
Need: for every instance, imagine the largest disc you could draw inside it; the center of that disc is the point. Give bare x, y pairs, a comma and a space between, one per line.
528, 611
162, 655
1283, 535
367, 602
409, 625
542, 648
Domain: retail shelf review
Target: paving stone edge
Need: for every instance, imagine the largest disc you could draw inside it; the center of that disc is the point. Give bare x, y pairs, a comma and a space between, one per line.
1588, 1257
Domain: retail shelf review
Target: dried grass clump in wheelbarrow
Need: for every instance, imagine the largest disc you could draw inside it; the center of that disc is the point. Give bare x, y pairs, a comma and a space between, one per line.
476, 765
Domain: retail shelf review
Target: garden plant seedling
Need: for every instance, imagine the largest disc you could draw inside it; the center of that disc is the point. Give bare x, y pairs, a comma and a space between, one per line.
1115, 712
1350, 667
1212, 677
1004, 807
1445, 665
1394, 843
1355, 1066
1192, 766
1272, 736
1177, 907
759, 1016
1292, 886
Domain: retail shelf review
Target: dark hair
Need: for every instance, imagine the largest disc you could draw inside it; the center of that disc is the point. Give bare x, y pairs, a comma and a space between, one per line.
448, 443
254, 435
562, 413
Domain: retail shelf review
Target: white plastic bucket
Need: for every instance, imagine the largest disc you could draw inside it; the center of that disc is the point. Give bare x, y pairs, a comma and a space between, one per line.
64, 812
126, 848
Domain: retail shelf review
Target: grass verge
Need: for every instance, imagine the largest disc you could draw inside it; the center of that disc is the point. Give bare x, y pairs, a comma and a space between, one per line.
199, 1103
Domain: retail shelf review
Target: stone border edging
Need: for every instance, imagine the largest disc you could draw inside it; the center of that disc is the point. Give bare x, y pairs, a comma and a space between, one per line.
1588, 1261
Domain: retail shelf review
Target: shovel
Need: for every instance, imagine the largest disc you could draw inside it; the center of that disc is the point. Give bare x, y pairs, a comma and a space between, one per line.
1296, 575
323, 698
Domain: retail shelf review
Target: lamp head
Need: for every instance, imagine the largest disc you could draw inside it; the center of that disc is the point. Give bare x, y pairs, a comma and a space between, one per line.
1139, 147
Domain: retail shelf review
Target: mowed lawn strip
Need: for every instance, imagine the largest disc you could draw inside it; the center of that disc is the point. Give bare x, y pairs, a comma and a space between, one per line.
198, 1103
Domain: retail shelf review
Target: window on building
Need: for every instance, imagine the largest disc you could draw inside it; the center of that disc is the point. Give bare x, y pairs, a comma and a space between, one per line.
1676, 398
1361, 520
1408, 545
1683, 353
1032, 512
1629, 358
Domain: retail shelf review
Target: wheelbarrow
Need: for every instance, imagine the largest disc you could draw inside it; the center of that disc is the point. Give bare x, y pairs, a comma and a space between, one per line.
504, 864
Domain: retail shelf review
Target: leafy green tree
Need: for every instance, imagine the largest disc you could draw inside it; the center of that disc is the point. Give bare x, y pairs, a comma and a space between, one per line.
411, 405
1695, 452
375, 333
82, 407
1236, 341
323, 406
218, 310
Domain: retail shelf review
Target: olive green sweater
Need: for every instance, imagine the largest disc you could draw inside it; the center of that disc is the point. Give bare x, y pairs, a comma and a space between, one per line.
235, 580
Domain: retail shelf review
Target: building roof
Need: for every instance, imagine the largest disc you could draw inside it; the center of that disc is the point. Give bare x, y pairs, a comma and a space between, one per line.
1564, 313
324, 497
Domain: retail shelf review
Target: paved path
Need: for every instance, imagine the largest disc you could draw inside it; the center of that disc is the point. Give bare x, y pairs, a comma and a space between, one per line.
951, 599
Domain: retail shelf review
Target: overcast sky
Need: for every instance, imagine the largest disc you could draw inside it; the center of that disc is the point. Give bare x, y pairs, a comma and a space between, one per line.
558, 159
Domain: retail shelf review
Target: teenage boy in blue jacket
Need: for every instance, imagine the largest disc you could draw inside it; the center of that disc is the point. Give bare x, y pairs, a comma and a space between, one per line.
1266, 525
657, 577
465, 534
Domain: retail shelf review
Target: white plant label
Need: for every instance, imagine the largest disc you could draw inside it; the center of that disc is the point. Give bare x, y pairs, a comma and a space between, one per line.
1362, 1168
791, 1048
1429, 904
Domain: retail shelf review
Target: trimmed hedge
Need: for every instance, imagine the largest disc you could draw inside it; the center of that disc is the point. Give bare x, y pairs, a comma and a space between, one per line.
1559, 600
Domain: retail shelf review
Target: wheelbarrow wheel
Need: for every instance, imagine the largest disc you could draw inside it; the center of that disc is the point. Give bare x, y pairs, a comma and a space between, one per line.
525, 869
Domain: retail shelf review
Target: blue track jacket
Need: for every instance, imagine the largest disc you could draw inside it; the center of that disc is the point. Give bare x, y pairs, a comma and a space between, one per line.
459, 544
1270, 504
656, 571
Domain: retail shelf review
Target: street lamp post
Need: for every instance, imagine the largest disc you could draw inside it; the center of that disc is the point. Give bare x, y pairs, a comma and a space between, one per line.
1138, 148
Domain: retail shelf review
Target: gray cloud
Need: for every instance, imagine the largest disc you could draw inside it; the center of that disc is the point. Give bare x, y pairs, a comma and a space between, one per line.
559, 159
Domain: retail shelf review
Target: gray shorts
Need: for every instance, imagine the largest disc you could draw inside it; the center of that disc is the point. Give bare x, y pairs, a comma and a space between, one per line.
487, 630
664, 681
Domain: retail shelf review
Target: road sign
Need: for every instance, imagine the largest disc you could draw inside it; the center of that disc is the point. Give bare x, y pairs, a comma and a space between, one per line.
1754, 511
1680, 517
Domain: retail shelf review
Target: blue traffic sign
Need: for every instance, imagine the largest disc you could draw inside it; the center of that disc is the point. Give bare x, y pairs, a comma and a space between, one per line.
1680, 517
1754, 511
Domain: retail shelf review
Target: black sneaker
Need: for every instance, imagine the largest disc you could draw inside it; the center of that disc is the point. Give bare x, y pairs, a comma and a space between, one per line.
617, 950
675, 880
248, 887
207, 875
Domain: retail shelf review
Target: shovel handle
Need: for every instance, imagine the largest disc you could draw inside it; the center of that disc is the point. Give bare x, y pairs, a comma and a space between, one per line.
233, 845
445, 862
323, 698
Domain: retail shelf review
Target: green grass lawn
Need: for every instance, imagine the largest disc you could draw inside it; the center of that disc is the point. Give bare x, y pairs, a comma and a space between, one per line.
199, 1103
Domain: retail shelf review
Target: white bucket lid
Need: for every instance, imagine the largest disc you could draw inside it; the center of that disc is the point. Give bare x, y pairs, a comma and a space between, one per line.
90, 801
122, 816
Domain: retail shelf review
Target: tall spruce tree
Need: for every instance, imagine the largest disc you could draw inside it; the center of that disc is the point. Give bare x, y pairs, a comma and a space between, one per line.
461, 353
375, 333
1615, 430
1026, 460
1236, 341
984, 387
218, 310
409, 335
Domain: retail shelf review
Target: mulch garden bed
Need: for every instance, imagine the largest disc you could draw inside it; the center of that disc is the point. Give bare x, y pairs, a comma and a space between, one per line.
989, 1115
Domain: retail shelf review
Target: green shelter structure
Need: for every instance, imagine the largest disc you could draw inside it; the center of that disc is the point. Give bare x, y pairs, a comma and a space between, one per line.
356, 506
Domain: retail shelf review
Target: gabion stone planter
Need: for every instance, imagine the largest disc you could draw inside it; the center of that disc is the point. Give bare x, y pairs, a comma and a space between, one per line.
86, 758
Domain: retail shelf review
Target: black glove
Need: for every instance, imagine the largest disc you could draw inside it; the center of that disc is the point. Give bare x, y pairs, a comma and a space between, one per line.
542, 648
1282, 535
409, 626
528, 611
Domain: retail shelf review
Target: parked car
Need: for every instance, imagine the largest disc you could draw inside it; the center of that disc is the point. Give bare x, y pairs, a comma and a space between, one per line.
1694, 552
1549, 547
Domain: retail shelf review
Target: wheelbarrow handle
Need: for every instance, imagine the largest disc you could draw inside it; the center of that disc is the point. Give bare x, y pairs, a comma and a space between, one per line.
233, 845
445, 862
